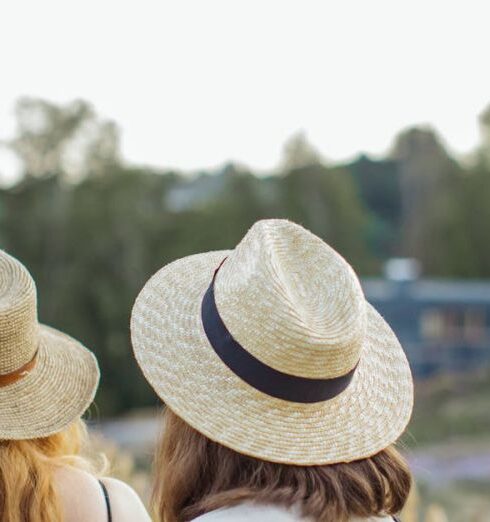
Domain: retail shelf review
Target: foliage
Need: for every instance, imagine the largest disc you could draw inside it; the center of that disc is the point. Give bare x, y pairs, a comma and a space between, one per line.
92, 229
451, 408
69, 140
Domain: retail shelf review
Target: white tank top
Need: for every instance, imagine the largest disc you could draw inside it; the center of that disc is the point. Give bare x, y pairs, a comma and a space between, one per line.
248, 512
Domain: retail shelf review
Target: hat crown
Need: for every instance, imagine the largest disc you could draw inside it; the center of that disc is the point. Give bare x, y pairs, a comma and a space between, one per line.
292, 301
18, 315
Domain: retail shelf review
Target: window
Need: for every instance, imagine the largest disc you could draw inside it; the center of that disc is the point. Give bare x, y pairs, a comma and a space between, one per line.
452, 324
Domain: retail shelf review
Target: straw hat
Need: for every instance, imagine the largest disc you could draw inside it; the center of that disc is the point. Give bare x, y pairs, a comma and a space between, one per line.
272, 350
47, 379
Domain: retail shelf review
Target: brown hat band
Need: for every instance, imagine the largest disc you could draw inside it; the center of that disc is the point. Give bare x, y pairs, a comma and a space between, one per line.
10, 378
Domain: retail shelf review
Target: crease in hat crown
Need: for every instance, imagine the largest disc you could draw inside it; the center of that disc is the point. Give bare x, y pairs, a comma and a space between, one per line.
19, 331
297, 306
292, 301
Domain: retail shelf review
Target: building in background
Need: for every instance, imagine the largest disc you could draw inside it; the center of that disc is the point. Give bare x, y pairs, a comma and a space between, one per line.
444, 325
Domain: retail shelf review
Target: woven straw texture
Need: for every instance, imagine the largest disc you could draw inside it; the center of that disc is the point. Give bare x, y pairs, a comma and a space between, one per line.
63, 382
295, 304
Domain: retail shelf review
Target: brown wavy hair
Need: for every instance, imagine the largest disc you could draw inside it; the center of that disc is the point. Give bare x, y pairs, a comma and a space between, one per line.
194, 475
27, 470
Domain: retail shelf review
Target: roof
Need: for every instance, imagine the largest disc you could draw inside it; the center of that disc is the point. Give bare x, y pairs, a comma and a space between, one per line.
428, 290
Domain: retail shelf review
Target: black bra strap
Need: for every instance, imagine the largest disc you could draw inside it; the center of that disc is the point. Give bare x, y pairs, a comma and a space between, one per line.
396, 519
107, 501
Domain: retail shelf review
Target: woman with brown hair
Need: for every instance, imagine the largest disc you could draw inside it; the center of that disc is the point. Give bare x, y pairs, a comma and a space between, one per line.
47, 381
285, 390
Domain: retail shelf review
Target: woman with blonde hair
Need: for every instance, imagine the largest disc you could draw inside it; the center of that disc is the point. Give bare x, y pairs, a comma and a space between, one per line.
284, 389
47, 381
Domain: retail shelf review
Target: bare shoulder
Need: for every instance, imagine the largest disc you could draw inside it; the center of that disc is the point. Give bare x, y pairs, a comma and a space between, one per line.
126, 505
82, 498
80, 495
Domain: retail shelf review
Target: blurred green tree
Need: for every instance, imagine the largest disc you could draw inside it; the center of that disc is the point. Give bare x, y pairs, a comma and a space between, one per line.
92, 230
68, 140
378, 184
326, 201
299, 152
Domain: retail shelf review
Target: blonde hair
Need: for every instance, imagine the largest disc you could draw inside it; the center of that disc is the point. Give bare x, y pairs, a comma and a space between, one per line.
27, 469
194, 475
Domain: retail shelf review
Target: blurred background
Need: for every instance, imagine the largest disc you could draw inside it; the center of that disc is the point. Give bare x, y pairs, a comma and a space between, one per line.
131, 135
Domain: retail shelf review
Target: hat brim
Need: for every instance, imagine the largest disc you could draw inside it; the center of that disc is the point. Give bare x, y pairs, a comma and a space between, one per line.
174, 353
57, 391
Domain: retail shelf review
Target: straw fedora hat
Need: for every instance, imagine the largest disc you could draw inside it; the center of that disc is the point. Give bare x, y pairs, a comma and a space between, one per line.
47, 379
271, 349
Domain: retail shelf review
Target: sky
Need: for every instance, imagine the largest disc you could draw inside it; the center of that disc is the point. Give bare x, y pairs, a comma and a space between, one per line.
196, 83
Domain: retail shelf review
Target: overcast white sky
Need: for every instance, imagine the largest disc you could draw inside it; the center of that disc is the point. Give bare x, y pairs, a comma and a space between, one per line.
194, 83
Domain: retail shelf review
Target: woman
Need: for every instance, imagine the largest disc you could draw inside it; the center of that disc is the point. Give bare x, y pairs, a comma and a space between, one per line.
47, 381
285, 389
